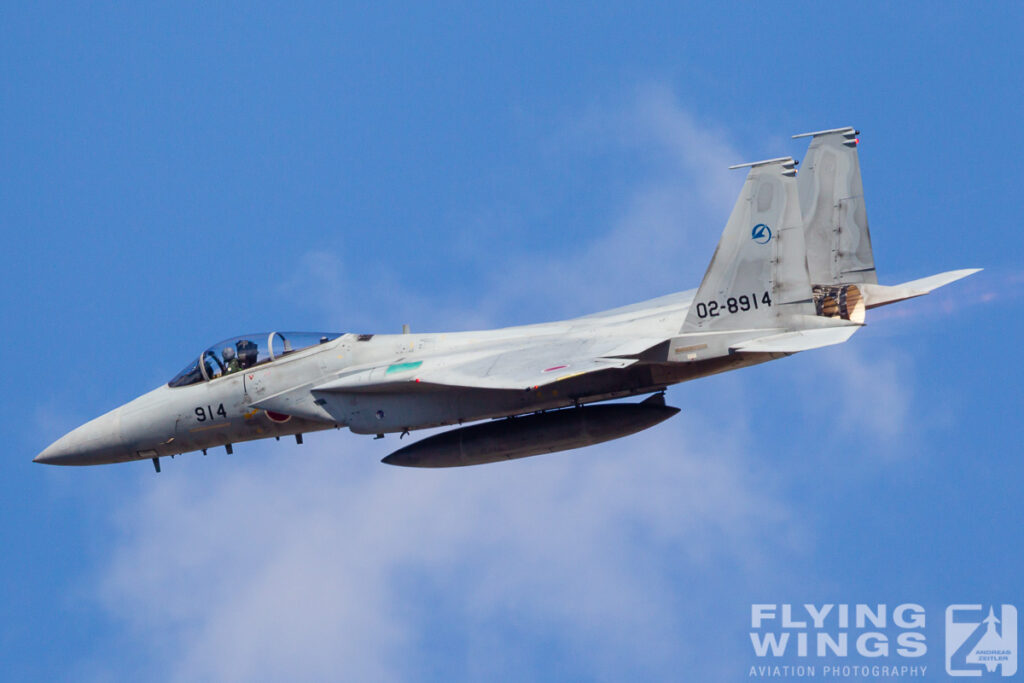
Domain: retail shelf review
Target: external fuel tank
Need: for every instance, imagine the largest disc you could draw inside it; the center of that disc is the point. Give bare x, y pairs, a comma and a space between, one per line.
520, 437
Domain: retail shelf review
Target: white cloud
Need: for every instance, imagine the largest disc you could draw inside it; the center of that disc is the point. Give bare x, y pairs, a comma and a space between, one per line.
861, 392
875, 393
321, 566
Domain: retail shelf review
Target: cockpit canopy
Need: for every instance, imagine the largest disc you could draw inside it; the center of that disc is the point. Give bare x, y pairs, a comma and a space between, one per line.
241, 353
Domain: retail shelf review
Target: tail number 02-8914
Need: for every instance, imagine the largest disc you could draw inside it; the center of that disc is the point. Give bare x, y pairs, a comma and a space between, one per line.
734, 304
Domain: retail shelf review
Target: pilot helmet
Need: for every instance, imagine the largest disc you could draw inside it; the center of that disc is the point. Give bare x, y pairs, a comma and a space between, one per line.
247, 352
228, 353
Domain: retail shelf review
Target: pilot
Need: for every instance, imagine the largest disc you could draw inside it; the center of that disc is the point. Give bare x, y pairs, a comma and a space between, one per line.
231, 363
247, 353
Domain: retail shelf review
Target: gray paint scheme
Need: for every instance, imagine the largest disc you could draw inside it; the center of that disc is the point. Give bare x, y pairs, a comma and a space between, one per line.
743, 265
787, 234
835, 217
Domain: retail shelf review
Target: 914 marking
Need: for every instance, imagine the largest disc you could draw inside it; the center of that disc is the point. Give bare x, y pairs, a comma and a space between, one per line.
207, 413
713, 309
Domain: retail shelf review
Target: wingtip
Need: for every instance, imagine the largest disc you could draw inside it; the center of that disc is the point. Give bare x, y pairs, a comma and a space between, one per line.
961, 273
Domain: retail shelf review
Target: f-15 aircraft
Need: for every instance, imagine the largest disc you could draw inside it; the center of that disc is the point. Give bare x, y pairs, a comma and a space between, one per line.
793, 271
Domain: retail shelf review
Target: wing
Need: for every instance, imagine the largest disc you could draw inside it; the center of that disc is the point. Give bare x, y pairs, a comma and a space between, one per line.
523, 366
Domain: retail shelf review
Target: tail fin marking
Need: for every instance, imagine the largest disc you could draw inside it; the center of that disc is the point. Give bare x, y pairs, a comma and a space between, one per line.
758, 273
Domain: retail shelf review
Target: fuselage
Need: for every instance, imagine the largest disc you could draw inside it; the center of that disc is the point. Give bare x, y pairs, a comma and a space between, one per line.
237, 407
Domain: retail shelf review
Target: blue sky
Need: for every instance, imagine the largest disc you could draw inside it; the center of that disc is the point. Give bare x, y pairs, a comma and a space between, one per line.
171, 177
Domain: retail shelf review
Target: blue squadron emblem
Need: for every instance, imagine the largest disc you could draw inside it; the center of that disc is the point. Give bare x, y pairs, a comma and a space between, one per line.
761, 234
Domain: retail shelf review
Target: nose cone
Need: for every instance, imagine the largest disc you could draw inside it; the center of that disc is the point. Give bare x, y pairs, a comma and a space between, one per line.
95, 442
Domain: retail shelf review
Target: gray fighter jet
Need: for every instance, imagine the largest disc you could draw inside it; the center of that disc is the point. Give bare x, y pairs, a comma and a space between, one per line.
793, 271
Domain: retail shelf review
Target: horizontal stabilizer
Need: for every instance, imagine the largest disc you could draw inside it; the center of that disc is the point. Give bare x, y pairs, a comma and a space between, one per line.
803, 340
880, 295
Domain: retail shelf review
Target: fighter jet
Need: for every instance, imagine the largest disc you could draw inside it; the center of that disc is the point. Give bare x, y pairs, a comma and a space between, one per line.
793, 271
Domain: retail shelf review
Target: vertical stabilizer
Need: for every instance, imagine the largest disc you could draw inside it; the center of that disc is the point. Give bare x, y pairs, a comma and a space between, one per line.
832, 203
758, 274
